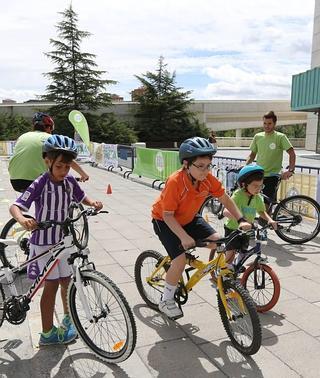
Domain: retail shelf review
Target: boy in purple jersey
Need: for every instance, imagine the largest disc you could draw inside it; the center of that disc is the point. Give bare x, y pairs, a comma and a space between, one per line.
52, 194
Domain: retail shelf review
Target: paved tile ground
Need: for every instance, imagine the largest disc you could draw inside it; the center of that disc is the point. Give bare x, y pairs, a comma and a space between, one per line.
194, 346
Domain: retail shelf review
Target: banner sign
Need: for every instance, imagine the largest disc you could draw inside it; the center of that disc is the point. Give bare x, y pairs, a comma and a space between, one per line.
110, 155
156, 164
79, 122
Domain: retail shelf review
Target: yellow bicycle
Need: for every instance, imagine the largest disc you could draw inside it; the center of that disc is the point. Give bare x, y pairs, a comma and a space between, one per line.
237, 309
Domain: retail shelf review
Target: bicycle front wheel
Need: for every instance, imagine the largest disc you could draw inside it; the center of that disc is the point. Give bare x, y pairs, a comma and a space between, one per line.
112, 334
243, 326
263, 286
150, 289
299, 218
212, 212
2, 298
14, 255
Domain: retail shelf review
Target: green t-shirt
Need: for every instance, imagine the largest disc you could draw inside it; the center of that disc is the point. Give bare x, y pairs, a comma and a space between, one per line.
27, 162
241, 199
269, 150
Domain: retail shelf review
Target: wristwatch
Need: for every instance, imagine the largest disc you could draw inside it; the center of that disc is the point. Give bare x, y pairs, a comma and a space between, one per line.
242, 219
291, 170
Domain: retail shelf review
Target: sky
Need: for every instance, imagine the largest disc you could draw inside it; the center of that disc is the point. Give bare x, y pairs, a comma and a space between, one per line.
219, 49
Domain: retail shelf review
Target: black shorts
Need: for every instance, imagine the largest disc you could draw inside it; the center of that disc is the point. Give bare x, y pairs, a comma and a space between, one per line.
271, 185
20, 185
240, 242
198, 228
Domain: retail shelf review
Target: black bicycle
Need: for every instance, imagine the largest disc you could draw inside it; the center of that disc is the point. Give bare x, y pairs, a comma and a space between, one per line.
257, 277
299, 216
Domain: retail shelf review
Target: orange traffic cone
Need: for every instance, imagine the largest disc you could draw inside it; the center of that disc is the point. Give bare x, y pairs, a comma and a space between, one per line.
109, 190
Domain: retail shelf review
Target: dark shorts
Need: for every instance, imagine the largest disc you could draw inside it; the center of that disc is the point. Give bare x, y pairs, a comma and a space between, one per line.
198, 228
20, 185
240, 242
271, 185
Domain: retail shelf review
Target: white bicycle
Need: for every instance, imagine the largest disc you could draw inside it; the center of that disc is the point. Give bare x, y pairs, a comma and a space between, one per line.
98, 309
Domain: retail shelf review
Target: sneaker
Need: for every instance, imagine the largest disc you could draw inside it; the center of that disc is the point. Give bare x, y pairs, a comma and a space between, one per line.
67, 324
57, 336
263, 235
170, 308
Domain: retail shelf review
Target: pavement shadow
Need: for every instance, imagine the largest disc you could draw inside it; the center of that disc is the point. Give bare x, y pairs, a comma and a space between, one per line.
86, 365
164, 357
49, 361
284, 254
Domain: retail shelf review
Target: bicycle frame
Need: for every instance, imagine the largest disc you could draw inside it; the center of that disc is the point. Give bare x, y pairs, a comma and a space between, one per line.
61, 249
218, 264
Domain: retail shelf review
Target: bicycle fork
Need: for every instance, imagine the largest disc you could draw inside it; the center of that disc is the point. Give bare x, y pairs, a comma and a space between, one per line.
232, 295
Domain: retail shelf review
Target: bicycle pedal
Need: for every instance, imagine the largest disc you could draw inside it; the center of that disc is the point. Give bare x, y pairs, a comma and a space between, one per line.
176, 317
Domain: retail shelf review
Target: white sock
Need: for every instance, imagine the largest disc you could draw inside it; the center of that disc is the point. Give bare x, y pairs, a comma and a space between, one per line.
168, 292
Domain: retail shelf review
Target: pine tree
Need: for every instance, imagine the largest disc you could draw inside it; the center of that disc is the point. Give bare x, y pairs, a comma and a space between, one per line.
163, 114
75, 81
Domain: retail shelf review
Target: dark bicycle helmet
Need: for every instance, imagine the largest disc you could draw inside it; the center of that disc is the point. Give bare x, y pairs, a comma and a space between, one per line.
42, 119
60, 143
194, 147
248, 171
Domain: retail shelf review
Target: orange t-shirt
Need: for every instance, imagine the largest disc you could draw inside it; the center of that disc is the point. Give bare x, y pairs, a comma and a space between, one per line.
181, 197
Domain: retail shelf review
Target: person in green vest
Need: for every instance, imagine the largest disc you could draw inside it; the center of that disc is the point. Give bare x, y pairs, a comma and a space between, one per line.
26, 163
268, 147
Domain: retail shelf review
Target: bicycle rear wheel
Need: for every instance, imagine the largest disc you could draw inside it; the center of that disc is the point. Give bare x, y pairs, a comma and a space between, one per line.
243, 327
79, 229
150, 289
212, 212
263, 286
299, 217
112, 335
14, 255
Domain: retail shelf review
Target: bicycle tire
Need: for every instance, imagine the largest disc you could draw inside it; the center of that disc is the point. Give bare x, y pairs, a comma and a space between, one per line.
211, 211
237, 338
145, 264
308, 228
2, 298
114, 327
13, 256
79, 229
267, 296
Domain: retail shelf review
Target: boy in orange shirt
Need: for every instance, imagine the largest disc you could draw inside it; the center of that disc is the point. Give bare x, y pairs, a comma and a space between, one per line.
175, 213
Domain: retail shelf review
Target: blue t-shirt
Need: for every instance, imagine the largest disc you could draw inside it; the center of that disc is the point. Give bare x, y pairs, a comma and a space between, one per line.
52, 201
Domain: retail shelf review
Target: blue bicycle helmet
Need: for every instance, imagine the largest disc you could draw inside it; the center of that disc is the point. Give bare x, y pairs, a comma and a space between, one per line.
60, 143
194, 147
42, 119
248, 171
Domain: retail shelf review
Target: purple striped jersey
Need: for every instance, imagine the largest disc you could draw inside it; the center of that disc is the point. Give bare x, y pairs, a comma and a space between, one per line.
52, 200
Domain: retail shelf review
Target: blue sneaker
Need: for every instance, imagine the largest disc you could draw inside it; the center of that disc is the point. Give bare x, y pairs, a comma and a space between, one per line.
67, 324
57, 336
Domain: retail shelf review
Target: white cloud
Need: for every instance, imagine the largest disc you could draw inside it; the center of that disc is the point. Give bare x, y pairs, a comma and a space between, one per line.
259, 43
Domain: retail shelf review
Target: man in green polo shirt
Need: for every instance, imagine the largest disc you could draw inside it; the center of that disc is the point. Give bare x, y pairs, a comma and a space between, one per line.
268, 146
26, 163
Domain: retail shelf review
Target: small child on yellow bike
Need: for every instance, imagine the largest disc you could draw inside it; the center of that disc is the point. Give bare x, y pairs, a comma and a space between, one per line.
175, 212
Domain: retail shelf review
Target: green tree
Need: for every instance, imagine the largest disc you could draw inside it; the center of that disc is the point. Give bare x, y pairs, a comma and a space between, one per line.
75, 83
11, 127
163, 113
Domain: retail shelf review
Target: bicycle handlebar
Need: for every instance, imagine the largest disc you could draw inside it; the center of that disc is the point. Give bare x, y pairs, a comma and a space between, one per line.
91, 211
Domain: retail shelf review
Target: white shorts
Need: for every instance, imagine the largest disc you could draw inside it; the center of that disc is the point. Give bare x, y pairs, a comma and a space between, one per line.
61, 270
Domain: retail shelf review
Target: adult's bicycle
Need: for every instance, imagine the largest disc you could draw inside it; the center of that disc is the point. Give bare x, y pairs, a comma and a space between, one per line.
98, 309
299, 216
237, 309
